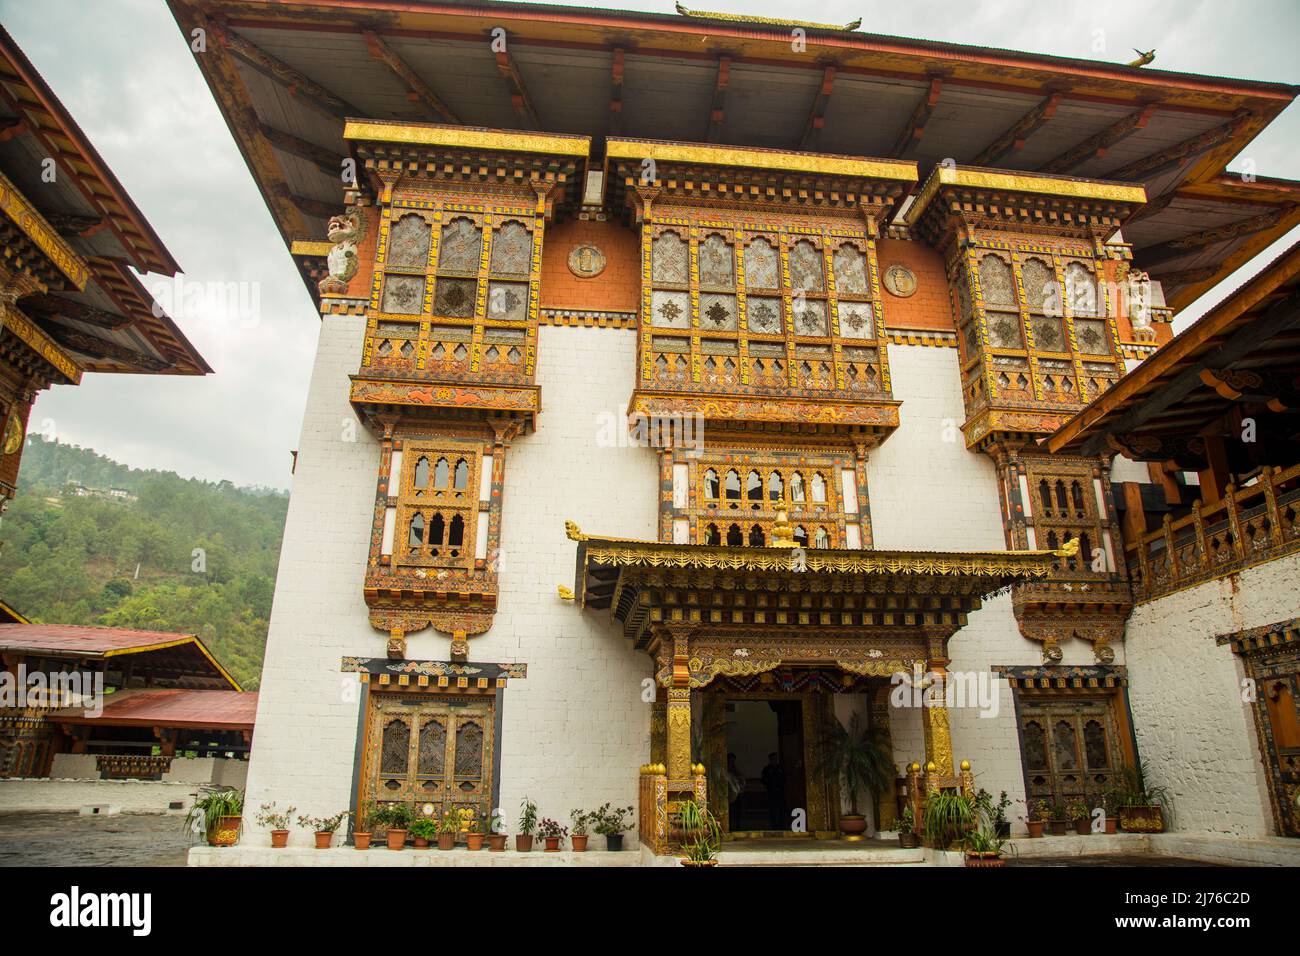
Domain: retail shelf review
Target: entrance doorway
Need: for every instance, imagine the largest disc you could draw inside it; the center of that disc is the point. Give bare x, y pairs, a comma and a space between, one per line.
767, 776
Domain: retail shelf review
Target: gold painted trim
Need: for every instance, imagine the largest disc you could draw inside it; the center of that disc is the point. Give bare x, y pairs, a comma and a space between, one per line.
1018, 182
38, 341
768, 21
318, 248
424, 134
24, 215
640, 149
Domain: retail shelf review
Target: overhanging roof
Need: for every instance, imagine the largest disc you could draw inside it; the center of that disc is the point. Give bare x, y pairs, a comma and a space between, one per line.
1246, 349
285, 75
109, 322
171, 707
183, 652
640, 582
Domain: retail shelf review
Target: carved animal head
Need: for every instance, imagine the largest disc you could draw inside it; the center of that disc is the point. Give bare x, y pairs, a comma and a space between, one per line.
344, 228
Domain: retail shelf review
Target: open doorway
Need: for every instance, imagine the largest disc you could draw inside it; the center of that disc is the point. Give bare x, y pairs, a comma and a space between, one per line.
765, 764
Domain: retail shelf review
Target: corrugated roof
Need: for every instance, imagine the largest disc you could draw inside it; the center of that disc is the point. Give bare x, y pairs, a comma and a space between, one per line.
205, 709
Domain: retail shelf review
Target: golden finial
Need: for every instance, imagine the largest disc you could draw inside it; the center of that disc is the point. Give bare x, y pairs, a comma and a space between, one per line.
1070, 550
965, 765
782, 533
574, 532
931, 767
566, 594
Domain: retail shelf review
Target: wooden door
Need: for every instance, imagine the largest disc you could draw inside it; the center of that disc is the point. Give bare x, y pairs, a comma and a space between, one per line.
1070, 746
1276, 674
425, 748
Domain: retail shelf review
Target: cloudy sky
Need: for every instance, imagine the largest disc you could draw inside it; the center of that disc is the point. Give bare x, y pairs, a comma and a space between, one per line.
124, 72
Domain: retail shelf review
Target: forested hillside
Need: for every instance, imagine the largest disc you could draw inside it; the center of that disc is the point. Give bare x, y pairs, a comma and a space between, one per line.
185, 555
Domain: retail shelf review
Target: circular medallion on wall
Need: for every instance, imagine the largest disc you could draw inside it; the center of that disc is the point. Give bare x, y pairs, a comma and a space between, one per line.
900, 281
586, 261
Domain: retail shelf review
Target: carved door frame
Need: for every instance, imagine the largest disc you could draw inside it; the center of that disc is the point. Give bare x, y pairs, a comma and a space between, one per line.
1275, 673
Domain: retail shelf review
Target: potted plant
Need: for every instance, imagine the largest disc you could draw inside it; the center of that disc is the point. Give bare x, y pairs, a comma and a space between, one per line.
995, 813
581, 819
948, 814
496, 837
527, 826
277, 822
701, 835
907, 838
361, 824
217, 813
1076, 812
423, 831
1036, 814
610, 822
448, 829
984, 847
552, 833
1056, 819
1141, 807
1110, 810
473, 832
862, 760
323, 827
398, 817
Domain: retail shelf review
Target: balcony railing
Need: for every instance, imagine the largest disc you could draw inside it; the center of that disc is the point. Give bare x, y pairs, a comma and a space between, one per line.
1249, 525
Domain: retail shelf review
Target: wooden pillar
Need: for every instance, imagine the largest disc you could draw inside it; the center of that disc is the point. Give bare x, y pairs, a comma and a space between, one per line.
679, 710
887, 804
659, 727
1214, 479
934, 713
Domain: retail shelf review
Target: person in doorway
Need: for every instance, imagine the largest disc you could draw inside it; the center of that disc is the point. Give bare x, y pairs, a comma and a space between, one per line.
774, 784
735, 788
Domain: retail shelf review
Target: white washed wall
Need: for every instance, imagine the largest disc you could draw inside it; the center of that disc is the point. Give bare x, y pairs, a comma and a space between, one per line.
1195, 733
575, 730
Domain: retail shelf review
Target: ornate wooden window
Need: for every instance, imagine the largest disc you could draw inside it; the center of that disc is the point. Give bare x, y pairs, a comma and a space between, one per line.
733, 310
732, 499
1071, 746
438, 505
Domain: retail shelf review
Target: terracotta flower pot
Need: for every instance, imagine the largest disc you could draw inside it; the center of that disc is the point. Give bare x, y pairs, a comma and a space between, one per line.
1112, 824
446, 841
421, 843
523, 842
279, 838
984, 860
473, 841
699, 864
496, 842
1035, 828
362, 840
579, 842
908, 841
396, 839
853, 824
226, 833
323, 839
552, 844
1083, 826
1056, 827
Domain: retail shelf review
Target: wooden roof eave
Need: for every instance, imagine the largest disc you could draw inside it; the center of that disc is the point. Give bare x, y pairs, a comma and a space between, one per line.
1275, 284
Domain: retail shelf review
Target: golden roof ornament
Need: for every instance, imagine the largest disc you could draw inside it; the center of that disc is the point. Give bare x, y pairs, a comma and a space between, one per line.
782, 533
573, 532
1143, 57
1070, 550
766, 21
566, 594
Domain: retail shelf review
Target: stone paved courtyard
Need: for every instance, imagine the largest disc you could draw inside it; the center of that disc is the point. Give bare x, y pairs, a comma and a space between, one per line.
66, 839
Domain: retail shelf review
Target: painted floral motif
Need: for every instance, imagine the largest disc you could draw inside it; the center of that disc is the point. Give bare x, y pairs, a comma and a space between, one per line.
408, 242
806, 267
1004, 331
718, 312
670, 310
810, 318
508, 300
512, 250
403, 294
1080, 290
1048, 335
455, 297
460, 247
995, 281
1091, 336
764, 315
850, 271
761, 270
1040, 286
717, 264
857, 320
668, 259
